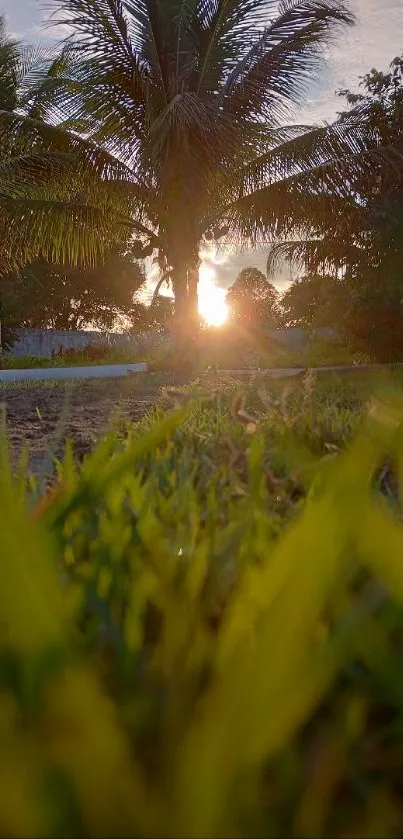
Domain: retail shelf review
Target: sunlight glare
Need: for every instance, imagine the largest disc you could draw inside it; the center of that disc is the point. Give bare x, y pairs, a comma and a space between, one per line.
212, 305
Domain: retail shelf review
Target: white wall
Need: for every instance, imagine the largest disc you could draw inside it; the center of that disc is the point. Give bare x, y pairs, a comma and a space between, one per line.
41, 343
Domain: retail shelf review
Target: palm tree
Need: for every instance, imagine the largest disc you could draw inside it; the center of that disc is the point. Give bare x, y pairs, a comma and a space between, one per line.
59, 195
188, 98
53, 202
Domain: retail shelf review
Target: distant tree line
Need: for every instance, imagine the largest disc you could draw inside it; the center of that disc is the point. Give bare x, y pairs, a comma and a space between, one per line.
104, 297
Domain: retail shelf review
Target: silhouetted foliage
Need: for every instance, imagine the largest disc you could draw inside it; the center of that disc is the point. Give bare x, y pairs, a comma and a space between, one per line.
252, 300
376, 275
67, 297
55, 204
317, 300
157, 318
362, 243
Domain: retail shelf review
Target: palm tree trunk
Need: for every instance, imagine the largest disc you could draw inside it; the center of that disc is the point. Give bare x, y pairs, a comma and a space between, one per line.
193, 279
186, 327
180, 288
1, 334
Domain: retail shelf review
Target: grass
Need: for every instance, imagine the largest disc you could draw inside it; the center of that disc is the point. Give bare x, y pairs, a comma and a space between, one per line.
223, 348
202, 623
85, 358
130, 382
234, 349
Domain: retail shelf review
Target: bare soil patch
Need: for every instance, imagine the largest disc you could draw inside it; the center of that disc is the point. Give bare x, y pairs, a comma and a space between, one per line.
44, 416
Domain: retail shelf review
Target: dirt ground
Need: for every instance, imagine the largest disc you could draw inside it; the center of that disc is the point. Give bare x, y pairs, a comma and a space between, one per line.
45, 415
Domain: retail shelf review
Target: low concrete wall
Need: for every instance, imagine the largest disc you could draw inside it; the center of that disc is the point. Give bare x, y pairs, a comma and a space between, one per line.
43, 343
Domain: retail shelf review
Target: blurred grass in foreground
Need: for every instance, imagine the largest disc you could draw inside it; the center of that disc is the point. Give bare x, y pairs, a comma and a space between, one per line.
202, 625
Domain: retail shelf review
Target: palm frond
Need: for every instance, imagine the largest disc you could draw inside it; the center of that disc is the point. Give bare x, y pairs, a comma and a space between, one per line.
147, 23
27, 131
67, 196
55, 231
103, 32
283, 208
310, 255
301, 149
94, 21
42, 73
275, 72
21, 175
102, 100
195, 127
101, 58
308, 181
220, 29
9, 54
33, 64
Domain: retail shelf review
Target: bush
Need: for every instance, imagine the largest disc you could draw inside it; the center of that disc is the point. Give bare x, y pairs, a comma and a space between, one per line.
201, 625
321, 353
91, 352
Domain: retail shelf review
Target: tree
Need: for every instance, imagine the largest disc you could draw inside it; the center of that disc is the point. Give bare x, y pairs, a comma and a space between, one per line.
367, 319
190, 99
252, 300
313, 301
365, 229
71, 297
363, 244
160, 315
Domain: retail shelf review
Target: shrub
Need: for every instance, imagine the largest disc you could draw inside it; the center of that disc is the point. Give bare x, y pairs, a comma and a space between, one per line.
92, 352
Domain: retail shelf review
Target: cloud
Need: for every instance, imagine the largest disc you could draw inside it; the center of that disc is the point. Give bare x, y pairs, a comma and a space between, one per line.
50, 29
227, 263
21, 17
227, 272
374, 41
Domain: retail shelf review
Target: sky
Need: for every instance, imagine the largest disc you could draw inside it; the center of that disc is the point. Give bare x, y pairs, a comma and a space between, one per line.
374, 41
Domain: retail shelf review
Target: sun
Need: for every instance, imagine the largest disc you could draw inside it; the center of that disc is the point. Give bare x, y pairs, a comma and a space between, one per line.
212, 305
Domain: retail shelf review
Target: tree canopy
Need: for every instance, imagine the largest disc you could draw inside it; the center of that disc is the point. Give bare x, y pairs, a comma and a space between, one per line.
314, 301
166, 120
74, 297
252, 300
